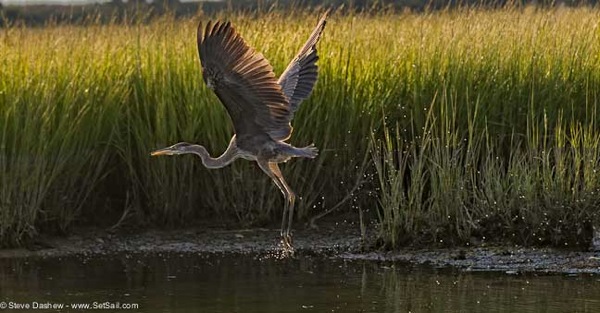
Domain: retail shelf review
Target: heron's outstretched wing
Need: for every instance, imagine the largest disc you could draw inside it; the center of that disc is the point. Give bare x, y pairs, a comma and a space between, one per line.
244, 82
299, 78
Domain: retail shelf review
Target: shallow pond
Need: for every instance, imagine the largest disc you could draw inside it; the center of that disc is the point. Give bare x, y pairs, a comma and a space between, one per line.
255, 283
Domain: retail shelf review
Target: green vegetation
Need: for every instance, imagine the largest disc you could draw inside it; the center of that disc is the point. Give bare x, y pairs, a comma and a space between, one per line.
476, 124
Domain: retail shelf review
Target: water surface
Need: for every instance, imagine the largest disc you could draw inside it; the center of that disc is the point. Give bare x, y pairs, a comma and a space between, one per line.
251, 283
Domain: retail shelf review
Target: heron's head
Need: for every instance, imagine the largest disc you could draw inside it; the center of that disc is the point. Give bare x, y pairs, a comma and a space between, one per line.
178, 148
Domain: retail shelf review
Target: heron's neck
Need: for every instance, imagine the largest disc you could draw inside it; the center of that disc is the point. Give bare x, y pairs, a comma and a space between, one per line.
209, 162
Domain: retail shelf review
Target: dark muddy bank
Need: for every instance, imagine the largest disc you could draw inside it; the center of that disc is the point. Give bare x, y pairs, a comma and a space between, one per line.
334, 241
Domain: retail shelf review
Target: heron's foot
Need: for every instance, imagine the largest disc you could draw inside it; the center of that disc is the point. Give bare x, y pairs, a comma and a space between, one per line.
286, 244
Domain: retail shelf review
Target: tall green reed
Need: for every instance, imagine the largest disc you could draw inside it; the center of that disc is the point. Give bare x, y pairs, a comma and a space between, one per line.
481, 140
57, 126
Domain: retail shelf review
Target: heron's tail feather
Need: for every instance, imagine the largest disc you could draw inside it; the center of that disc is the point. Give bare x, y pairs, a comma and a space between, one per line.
295, 152
309, 151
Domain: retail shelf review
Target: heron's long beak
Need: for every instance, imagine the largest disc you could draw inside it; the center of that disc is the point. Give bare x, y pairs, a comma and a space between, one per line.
165, 151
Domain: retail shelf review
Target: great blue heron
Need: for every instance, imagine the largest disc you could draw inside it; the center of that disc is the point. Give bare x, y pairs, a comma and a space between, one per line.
260, 106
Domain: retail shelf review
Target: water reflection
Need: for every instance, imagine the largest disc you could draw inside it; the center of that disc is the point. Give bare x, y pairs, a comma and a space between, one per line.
250, 283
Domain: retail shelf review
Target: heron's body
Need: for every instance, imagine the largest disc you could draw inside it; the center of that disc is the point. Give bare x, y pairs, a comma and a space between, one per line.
260, 106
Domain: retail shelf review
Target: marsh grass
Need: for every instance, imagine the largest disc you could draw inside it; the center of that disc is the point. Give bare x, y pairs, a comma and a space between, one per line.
482, 123
506, 148
449, 189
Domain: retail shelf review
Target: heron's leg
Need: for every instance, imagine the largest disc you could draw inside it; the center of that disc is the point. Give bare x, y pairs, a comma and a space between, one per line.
275, 175
291, 200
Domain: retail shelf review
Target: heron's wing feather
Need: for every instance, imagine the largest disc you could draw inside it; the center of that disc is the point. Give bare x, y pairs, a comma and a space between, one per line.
244, 82
299, 78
